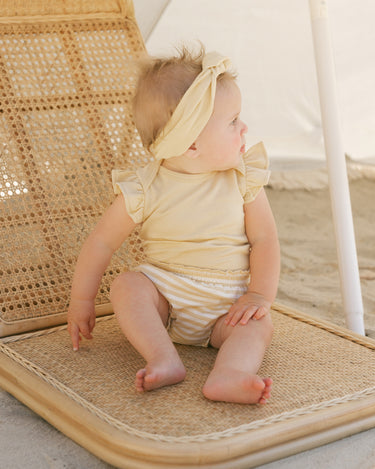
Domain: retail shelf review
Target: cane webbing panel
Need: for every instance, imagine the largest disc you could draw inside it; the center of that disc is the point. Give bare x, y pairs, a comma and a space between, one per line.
65, 122
321, 381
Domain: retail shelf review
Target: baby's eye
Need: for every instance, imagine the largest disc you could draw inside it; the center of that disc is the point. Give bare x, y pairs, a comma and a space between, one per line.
234, 121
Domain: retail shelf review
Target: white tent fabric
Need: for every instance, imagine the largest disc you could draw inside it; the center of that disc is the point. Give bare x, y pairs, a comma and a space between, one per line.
148, 14
270, 43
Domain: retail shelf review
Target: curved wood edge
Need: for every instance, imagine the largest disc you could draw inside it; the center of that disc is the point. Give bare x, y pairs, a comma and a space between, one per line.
323, 324
242, 450
126, 10
9, 328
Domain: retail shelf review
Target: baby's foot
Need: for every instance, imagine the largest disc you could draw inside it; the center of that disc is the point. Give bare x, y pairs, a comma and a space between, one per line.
237, 386
157, 376
266, 391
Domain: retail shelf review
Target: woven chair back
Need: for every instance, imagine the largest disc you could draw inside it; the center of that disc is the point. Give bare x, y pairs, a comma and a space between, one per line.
67, 77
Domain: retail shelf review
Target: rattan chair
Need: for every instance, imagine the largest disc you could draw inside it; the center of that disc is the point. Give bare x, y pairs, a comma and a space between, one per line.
66, 80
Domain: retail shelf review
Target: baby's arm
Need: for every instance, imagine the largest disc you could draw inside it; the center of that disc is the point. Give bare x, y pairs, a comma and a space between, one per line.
108, 235
264, 263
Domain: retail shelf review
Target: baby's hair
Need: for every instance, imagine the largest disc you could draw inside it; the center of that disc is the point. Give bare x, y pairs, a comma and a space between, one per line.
162, 82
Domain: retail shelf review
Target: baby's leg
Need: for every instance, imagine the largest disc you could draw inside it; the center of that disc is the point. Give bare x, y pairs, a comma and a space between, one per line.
234, 377
142, 313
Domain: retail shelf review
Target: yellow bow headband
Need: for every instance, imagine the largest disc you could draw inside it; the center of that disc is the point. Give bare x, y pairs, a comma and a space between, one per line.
193, 111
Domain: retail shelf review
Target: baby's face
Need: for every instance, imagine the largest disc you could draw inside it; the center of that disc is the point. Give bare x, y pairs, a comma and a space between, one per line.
222, 142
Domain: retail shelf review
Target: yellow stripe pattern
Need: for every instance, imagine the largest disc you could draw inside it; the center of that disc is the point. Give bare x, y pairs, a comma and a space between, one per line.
195, 303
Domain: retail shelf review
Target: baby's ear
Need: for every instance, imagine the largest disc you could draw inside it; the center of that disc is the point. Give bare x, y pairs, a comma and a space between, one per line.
192, 151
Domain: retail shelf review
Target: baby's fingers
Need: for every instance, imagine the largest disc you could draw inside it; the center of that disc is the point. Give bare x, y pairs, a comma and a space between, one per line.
237, 314
85, 330
92, 321
262, 311
249, 314
75, 330
74, 335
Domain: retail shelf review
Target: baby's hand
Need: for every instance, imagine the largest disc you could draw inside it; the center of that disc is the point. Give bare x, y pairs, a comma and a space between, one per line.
251, 305
81, 320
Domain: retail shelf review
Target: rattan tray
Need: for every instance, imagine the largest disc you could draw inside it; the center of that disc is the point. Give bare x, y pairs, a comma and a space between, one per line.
324, 389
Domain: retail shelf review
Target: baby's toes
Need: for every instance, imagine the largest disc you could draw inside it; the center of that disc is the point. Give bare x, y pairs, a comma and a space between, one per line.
140, 380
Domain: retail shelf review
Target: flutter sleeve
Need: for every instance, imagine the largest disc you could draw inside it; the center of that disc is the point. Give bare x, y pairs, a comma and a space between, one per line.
256, 173
127, 182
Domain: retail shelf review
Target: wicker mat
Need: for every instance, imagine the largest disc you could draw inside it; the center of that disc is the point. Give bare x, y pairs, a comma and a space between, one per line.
324, 389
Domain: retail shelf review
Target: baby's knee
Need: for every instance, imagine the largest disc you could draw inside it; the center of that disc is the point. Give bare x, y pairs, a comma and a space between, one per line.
130, 286
124, 284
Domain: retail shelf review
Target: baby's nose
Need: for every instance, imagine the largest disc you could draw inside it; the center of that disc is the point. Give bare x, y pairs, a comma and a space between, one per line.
244, 128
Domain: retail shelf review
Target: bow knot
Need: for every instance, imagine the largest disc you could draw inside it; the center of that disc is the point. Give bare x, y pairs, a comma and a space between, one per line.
193, 111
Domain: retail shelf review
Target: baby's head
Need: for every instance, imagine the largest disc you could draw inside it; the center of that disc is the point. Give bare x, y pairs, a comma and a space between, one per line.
161, 85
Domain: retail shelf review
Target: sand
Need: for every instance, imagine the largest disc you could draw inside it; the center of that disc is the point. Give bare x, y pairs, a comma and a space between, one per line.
310, 278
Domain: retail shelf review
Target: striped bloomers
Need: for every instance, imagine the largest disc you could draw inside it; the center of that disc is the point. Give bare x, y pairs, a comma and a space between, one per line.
195, 303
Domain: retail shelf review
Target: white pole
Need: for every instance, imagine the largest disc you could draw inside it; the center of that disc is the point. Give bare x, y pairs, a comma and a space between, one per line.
337, 173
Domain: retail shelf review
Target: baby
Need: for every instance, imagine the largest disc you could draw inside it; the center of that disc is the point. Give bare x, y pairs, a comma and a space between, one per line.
208, 233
